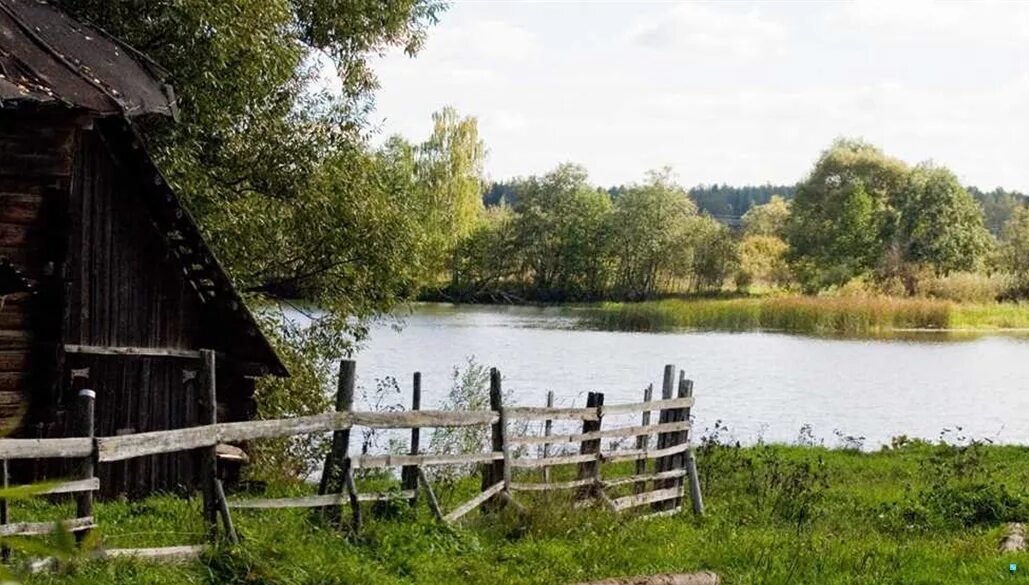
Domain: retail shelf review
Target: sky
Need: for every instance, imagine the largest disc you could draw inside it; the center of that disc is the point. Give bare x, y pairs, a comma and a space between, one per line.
728, 92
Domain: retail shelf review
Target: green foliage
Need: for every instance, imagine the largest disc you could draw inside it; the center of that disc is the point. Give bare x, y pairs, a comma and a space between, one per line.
1014, 251
560, 231
714, 255
775, 514
652, 235
940, 224
767, 220
763, 260
860, 211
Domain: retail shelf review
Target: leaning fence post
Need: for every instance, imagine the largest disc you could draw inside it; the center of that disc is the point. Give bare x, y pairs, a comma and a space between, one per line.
591, 469
493, 473
337, 464
223, 510
84, 500
409, 474
643, 440
690, 460
548, 428
209, 455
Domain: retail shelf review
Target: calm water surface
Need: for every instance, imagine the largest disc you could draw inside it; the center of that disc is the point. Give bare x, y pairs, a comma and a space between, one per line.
762, 386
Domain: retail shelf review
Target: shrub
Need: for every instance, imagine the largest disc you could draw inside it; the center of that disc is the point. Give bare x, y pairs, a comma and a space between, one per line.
967, 287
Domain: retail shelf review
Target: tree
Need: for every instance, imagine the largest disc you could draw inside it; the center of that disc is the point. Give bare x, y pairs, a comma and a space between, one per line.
487, 257
842, 219
1014, 243
276, 169
768, 219
715, 255
940, 224
651, 234
561, 233
762, 259
449, 176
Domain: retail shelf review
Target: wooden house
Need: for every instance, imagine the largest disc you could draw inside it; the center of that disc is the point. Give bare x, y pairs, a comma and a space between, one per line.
105, 280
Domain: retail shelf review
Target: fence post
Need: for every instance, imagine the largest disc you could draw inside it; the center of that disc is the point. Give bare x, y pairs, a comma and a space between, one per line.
409, 474
209, 455
87, 416
690, 462
665, 439
591, 469
494, 472
337, 464
223, 510
678, 461
548, 428
643, 440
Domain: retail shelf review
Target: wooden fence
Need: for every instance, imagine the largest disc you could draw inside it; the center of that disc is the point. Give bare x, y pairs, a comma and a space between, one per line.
504, 470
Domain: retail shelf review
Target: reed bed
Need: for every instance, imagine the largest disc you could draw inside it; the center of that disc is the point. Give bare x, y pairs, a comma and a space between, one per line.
799, 314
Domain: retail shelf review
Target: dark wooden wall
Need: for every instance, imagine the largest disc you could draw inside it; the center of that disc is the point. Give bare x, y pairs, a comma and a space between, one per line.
74, 220
125, 289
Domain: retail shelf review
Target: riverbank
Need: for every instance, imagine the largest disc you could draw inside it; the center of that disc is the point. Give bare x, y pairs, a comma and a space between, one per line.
916, 513
851, 316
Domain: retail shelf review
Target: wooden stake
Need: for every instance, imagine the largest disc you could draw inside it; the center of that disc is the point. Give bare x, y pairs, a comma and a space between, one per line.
591, 469
337, 463
493, 473
548, 428
409, 474
643, 440
430, 495
208, 455
223, 511
84, 500
664, 440
355, 503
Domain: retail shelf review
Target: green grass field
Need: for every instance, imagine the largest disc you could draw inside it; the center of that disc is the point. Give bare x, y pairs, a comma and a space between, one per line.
918, 513
850, 316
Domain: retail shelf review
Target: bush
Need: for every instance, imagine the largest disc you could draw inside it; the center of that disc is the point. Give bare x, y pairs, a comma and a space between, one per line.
967, 287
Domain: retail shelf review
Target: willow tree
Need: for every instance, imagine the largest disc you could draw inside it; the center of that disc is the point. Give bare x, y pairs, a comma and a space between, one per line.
450, 182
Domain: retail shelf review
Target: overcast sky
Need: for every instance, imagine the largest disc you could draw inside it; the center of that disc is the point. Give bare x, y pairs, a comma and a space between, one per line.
726, 92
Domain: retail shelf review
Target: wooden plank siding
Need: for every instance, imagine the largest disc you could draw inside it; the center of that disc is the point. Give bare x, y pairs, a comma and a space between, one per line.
75, 220
124, 289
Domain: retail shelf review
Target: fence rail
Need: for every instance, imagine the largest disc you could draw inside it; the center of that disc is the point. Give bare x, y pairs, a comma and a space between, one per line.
505, 469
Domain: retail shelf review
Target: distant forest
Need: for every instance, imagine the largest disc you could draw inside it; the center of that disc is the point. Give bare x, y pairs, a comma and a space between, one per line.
728, 203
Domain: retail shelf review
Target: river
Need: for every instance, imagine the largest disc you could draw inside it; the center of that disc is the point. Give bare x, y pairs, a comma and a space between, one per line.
761, 386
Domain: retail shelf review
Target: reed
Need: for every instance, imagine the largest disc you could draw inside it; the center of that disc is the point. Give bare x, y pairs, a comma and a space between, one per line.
798, 314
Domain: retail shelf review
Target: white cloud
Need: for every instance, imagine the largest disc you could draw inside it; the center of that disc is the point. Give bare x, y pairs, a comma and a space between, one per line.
986, 22
705, 88
705, 31
483, 39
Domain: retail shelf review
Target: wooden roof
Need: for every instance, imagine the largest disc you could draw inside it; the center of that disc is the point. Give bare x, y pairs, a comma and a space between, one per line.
48, 57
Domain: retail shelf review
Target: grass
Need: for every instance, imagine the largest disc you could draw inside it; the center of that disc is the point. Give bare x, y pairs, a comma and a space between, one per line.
854, 316
918, 513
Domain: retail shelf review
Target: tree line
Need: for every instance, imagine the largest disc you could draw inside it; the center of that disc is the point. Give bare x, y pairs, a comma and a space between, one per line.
860, 218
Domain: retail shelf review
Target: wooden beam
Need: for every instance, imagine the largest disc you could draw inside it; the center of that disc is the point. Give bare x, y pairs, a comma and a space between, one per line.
41, 528
474, 502
317, 501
